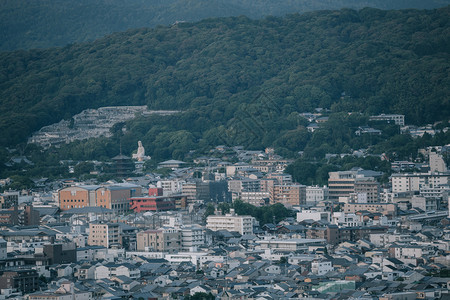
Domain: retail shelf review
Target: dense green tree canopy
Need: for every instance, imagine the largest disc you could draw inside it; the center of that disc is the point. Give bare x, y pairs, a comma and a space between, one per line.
240, 82
26, 24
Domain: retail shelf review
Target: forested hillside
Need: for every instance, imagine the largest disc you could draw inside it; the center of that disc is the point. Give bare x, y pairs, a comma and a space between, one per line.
26, 24
239, 80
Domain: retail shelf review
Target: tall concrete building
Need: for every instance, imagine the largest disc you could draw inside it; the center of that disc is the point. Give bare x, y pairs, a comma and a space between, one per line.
315, 194
348, 183
416, 181
288, 194
231, 222
9, 199
113, 197
104, 234
164, 240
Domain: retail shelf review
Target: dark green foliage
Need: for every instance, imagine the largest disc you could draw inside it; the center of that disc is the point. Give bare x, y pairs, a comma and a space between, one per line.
209, 211
27, 24
239, 82
309, 173
200, 296
263, 214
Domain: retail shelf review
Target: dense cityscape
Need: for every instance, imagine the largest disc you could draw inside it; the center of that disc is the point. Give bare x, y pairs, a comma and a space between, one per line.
224, 150
231, 225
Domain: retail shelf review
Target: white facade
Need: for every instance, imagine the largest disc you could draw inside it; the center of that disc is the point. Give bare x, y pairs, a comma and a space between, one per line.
315, 194
192, 236
288, 245
244, 185
410, 251
133, 273
321, 267
346, 220
425, 204
416, 181
313, 215
171, 187
253, 198
231, 222
384, 239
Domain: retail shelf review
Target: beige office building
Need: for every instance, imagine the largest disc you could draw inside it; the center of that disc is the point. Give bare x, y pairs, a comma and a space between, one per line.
104, 234
163, 240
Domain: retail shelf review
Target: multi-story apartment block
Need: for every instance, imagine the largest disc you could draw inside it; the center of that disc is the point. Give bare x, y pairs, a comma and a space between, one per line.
207, 191
114, 197
189, 189
171, 187
244, 185
341, 184
289, 194
104, 234
316, 194
346, 183
368, 187
255, 198
155, 201
398, 119
425, 203
402, 251
9, 199
321, 267
25, 281
192, 236
417, 181
233, 169
346, 220
266, 185
164, 240
313, 215
384, 239
281, 178
237, 186
387, 209
231, 222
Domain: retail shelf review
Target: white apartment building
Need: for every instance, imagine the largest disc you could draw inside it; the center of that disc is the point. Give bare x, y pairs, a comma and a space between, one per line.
417, 181
244, 185
410, 251
254, 198
437, 163
313, 215
289, 245
238, 186
346, 220
316, 194
231, 222
233, 169
104, 234
425, 203
281, 178
171, 187
384, 239
189, 189
321, 267
192, 236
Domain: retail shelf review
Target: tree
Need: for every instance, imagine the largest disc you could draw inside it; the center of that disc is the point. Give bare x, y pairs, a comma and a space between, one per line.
210, 209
